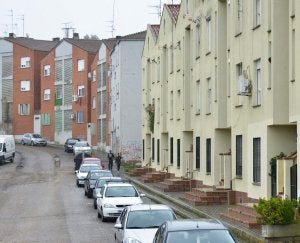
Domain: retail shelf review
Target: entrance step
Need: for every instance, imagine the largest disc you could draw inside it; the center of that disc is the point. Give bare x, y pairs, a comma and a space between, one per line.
206, 196
140, 171
156, 176
177, 184
243, 214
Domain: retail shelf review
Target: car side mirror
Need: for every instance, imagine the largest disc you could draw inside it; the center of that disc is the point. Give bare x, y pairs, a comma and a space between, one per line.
76, 171
142, 195
118, 226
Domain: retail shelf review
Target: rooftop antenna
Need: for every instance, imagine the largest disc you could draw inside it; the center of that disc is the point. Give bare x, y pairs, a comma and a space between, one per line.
67, 29
23, 23
112, 26
157, 9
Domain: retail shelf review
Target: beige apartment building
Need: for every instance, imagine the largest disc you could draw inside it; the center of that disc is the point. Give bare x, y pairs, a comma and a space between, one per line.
220, 95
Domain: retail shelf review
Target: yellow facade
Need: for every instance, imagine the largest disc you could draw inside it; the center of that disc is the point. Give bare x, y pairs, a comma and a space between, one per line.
220, 80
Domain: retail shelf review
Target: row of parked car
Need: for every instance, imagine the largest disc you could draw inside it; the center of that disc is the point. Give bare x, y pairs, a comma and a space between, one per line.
136, 222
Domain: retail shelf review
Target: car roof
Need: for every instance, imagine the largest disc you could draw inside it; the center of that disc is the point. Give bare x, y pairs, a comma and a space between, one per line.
90, 165
91, 158
143, 207
110, 177
194, 224
118, 184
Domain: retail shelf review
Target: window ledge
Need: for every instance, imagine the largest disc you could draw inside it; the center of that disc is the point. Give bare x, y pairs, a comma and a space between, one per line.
208, 113
197, 113
292, 81
197, 57
239, 105
256, 184
256, 27
208, 53
255, 106
208, 173
238, 177
238, 34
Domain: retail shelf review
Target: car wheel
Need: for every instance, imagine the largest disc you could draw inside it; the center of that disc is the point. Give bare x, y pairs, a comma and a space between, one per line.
99, 215
77, 183
11, 160
85, 192
103, 219
22, 142
95, 203
89, 194
32, 144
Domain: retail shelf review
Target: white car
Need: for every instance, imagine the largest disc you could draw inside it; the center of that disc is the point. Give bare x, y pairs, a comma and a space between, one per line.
114, 197
82, 147
83, 171
139, 223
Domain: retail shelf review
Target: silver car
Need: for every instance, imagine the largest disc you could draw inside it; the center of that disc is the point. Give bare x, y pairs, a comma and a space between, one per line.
139, 223
82, 147
33, 139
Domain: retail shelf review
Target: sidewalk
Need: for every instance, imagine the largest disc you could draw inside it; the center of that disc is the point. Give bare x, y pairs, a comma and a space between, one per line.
184, 209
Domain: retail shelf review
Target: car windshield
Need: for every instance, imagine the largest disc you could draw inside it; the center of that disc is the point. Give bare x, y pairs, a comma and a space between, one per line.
82, 144
91, 161
103, 181
212, 236
97, 175
72, 141
148, 218
36, 135
121, 191
88, 168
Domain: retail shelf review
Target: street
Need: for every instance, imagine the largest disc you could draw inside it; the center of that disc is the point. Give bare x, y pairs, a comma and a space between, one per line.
41, 203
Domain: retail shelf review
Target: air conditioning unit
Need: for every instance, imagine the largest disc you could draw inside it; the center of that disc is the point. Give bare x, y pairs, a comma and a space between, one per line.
74, 98
90, 78
244, 86
72, 116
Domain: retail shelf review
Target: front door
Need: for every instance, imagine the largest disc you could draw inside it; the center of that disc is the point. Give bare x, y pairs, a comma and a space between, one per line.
37, 124
294, 181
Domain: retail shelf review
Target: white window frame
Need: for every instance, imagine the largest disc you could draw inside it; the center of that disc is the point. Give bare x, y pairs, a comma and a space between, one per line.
158, 111
198, 41
25, 85
81, 91
258, 84
197, 98
209, 33
80, 65
94, 75
80, 117
47, 93
208, 96
257, 13
25, 62
47, 70
94, 102
171, 105
24, 109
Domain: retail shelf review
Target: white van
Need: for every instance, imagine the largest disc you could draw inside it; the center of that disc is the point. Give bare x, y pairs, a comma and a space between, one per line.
7, 149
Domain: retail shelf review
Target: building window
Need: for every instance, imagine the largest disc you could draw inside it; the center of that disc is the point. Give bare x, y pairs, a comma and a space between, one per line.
239, 83
171, 151
198, 98
80, 65
58, 92
153, 149
171, 105
80, 117
257, 83
143, 149
197, 153
198, 39
94, 75
46, 70
239, 156
25, 85
46, 94
178, 153
257, 13
158, 69
158, 111
208, 156
24, 109
293, 59
45, 119
239, 14
25, 62
93, 102
158, 151
178, 109
171, 58
208, 96
81, 91
208, 27
256, 160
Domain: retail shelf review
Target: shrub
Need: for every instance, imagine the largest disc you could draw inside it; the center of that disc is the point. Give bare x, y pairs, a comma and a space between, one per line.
275, 211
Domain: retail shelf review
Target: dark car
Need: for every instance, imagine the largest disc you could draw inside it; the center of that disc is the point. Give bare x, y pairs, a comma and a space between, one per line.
69, 144
78, 159
198, 230
91, 178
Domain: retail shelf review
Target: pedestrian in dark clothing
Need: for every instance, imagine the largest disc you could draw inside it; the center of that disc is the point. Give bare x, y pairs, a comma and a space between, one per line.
118, 161
110, 157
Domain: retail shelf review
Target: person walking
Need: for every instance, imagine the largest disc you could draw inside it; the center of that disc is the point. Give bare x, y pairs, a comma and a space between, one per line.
110, 157
118, 161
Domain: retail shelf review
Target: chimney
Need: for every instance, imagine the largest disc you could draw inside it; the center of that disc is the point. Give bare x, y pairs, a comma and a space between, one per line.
55, 39
12, 35
75, 35
118, 37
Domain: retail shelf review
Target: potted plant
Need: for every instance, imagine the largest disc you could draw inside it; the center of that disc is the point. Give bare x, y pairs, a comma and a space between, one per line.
278, 217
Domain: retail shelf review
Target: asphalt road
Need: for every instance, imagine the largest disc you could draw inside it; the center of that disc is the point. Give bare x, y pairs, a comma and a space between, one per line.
41, 203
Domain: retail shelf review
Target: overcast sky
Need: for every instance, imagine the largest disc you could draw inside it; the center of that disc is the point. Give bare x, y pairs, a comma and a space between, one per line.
44, 19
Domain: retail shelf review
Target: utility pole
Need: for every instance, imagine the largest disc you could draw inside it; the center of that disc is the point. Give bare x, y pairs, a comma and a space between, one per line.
12, 21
